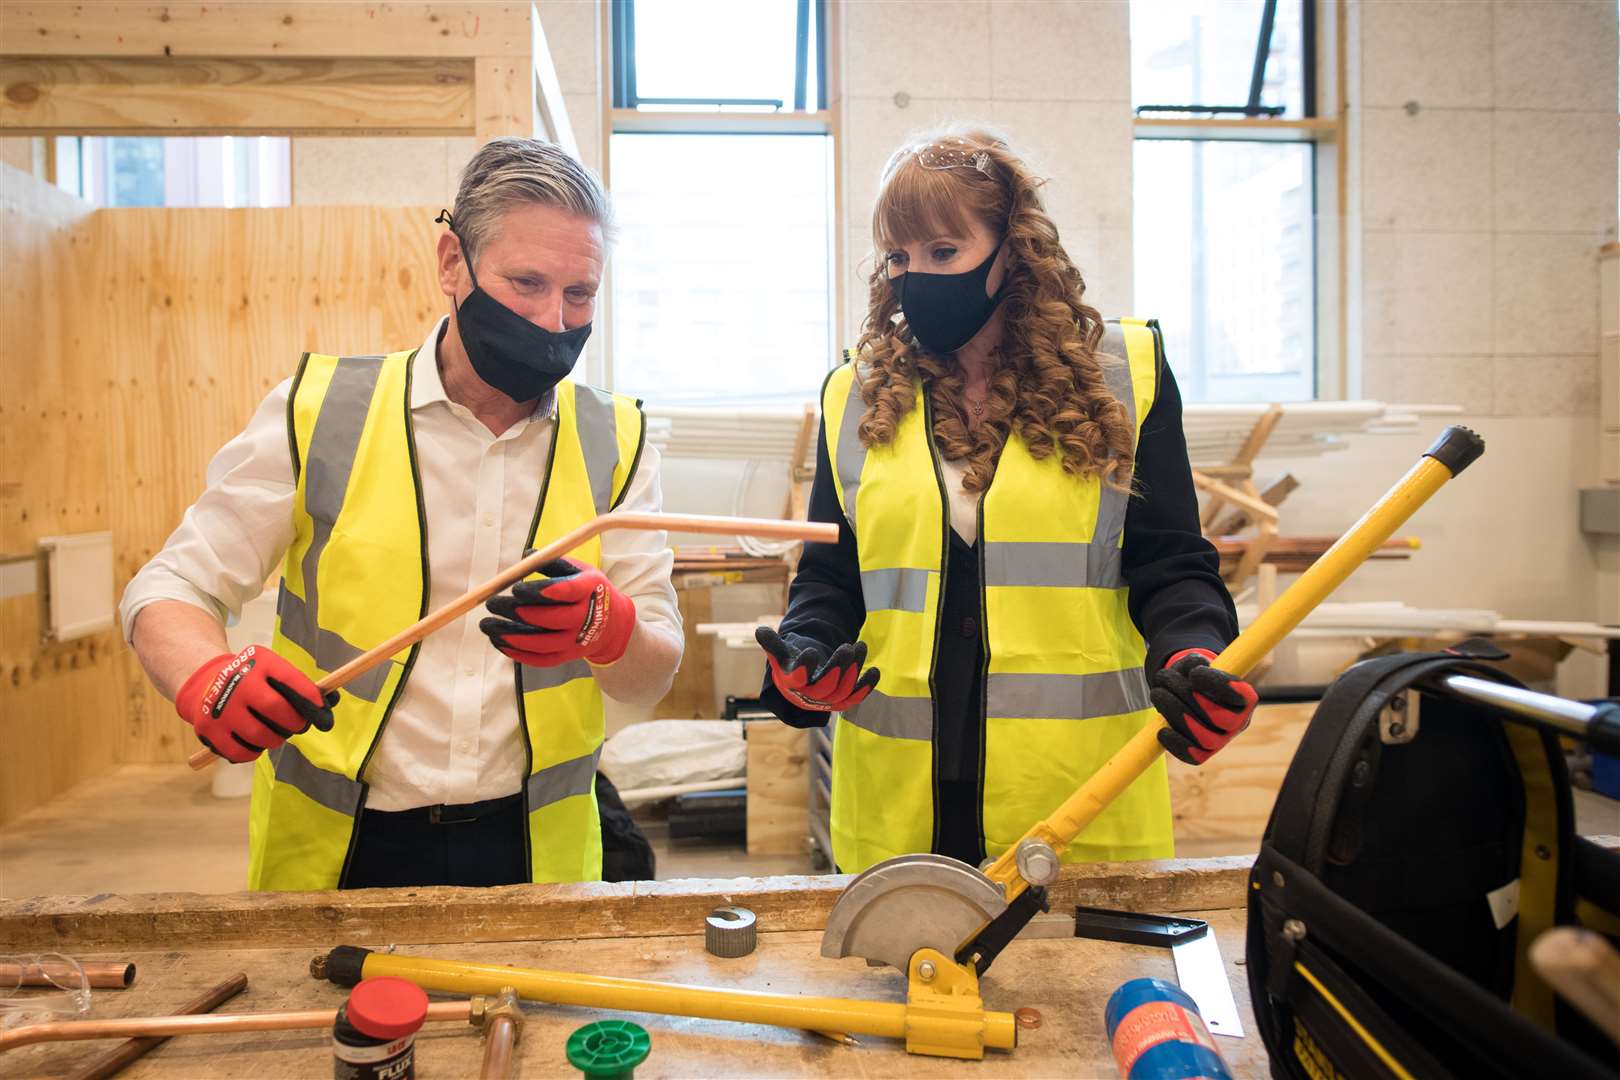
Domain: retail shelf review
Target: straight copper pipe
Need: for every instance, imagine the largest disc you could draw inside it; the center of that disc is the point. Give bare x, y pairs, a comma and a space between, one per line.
103, 974
168, 1026
499, 1040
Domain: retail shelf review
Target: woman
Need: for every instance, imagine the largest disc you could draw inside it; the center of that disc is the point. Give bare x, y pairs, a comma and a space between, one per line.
1019, 540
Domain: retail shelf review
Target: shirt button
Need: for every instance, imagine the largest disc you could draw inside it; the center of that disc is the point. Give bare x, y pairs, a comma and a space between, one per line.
489, 520
470, 672
464, 746
970, 627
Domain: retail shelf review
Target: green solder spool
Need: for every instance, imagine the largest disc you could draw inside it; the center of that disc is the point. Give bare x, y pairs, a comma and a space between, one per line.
609, 1049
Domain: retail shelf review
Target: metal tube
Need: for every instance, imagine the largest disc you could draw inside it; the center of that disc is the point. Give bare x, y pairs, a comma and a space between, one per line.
883, 1019
168, 1026
1570, 717
498, 1043
102, 974
120, 1056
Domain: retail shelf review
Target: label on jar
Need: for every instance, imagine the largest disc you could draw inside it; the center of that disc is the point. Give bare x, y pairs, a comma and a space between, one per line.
394, 1060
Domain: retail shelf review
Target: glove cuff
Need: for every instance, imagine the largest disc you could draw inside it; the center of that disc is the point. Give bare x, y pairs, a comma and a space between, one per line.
189, 697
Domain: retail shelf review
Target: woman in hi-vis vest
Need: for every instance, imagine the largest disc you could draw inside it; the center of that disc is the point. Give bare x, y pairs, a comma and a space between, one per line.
1019, 555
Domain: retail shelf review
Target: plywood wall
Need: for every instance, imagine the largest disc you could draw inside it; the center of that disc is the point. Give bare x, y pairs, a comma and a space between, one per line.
59, 704
138, 341
204, 311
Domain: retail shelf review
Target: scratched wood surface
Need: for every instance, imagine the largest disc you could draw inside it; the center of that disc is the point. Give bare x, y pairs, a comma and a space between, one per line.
1067, 980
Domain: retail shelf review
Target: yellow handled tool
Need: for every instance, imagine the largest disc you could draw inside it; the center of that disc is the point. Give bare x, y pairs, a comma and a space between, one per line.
923, 901
1451, 453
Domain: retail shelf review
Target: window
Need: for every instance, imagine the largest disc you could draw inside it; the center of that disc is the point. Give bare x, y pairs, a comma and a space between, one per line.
1226, 224
183, 171
720, 167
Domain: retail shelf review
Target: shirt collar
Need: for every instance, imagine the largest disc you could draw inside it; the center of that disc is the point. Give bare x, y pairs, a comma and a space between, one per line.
427, 388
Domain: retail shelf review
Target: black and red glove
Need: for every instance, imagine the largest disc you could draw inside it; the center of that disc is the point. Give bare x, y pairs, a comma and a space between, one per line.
810, 680
244, 704
1205, 707
573, 613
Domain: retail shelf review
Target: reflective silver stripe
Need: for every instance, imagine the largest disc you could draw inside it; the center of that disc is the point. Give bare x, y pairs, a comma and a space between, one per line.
851, 451
1112, 504
327, 468
1066, 697
332, 790
549, 678
566, 778
900, 589
598, 425
1051, 564
894, 717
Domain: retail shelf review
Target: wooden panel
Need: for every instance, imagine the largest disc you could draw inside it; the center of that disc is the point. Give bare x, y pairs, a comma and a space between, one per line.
504, 98
1221, 807
58, 703
179, 96
1067, 981
691, 695
778, 789
540, 912
203, 312
295, 28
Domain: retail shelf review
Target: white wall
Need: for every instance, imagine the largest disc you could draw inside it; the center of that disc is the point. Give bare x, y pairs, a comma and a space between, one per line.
1054, 75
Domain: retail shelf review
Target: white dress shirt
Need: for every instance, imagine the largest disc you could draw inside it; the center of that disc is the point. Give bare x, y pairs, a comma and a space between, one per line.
453, 735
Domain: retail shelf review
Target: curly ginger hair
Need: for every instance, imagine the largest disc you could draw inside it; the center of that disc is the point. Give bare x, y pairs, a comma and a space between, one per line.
1047, 381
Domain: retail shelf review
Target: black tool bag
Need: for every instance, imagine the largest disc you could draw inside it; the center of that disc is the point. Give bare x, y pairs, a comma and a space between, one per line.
1383, 936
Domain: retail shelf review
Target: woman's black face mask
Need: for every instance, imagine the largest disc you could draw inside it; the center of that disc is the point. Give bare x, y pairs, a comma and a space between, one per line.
507, 351
945, 311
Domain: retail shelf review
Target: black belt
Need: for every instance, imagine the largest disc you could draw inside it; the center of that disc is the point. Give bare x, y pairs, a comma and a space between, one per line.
447, 814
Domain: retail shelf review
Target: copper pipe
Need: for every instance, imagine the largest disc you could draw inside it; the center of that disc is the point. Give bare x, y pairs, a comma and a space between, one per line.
498, 1042
112, 1061
168, 1026
769, 528
102, 974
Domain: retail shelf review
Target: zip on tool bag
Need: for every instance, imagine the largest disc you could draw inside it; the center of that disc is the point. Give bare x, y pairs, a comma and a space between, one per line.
1407, 866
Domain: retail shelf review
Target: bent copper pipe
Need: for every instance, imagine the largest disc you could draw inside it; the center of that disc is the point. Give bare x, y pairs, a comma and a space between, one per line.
767, 528
101, 974
118, 1057
168, 1026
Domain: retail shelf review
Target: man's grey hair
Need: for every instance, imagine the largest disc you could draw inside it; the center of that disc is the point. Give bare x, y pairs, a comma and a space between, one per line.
512, 171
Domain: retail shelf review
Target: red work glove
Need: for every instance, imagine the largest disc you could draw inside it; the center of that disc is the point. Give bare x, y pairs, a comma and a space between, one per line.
573, 613
242, 705
1204, 707
831, 684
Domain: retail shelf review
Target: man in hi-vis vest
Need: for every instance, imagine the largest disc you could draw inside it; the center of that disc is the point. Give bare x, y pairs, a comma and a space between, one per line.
386, 486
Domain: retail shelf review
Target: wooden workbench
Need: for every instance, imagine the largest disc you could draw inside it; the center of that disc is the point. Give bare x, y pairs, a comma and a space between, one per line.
185, 942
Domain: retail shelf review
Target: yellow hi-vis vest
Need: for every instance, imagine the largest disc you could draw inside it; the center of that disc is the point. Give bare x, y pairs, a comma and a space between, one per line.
357, 573
1064, 686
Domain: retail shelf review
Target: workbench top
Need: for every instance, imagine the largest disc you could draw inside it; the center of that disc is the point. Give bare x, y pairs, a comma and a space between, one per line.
184, 944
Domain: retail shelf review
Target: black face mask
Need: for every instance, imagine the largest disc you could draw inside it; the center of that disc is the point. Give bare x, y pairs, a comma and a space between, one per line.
509, 352
944, 311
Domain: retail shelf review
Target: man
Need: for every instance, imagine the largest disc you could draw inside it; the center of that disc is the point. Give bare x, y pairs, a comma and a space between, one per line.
386, 486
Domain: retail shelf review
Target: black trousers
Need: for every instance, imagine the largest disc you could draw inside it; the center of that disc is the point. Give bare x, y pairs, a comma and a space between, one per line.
472, 844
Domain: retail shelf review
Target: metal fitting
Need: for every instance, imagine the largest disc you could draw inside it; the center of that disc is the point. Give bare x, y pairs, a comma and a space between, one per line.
926, 971
317, 966
729, 932
1293, 930
1037, 862
485, 1009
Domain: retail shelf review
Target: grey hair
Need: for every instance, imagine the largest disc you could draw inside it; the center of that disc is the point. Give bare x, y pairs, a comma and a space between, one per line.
512, 171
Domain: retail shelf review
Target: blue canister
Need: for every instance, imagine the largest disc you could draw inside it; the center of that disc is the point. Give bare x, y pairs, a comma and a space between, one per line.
1158, 1034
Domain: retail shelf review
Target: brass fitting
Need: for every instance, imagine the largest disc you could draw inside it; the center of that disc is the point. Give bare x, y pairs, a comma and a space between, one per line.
485, 1010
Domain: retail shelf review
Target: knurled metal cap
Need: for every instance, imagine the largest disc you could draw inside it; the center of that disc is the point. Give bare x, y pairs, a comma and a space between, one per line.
729, 932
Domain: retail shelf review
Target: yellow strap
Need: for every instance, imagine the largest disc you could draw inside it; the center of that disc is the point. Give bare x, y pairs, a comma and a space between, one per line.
1355, 1025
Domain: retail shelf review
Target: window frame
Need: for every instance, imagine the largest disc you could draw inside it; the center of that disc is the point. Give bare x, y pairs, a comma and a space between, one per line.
1324, 127
818, 17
